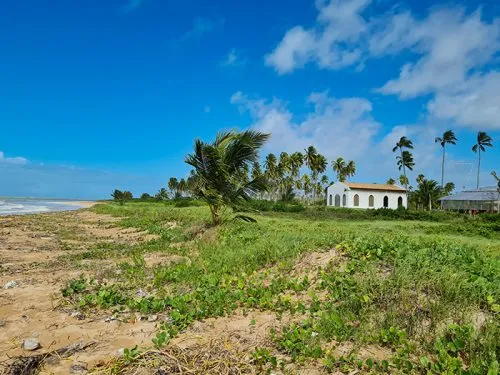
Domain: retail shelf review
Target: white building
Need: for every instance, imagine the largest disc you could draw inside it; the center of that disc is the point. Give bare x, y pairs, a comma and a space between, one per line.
353, 195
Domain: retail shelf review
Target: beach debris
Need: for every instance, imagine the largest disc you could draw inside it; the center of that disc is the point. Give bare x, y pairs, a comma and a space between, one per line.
152, 318
77, 315
141, 293
31, 344
120, 352
2, 323
30, 365
11, 284
78, 368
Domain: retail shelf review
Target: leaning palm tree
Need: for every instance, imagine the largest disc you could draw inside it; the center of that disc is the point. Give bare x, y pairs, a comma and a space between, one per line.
218, 169
401, 145
447, 138
483, 141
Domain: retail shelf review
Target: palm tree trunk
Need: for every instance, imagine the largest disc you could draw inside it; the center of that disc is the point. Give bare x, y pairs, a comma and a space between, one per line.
442, 170
478, 168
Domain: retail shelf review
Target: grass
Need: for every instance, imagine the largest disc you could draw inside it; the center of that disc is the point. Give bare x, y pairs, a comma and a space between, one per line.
426, 292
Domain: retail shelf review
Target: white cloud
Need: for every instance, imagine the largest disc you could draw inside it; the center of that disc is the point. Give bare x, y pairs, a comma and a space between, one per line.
450, 55
331, 43
233, 58
334, 126
12, 160
450, 44
475, 103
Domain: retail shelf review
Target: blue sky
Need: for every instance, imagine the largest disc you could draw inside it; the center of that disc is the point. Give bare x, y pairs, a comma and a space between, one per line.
98, 94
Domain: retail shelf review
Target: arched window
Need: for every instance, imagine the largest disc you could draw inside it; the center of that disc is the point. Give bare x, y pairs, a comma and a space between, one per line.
400, 202
356, 200
386, 201
337, 200
331, 200
371, 201
344, 200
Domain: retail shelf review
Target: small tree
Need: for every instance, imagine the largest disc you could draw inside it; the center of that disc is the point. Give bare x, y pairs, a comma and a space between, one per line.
127, 196
219, 168
391, 181
118, 196
145, 197
162, 194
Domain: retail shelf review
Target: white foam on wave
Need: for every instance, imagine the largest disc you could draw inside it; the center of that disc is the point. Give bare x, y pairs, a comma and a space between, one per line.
18, 208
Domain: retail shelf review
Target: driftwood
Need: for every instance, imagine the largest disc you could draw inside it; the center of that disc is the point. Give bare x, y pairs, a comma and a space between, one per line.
30, 365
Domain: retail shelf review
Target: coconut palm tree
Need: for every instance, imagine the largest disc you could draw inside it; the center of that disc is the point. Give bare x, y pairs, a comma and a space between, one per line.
405, 161
338, 166
427, 194
447, 138
483, 141
173, 185
403, 143
296, 162
350, 169
319, 166
271, 170
403, 180
391, 181
218, 168
162, 194
310, 157
306, 184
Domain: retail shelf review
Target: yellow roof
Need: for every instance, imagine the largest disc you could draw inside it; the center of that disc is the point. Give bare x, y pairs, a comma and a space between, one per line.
384, 187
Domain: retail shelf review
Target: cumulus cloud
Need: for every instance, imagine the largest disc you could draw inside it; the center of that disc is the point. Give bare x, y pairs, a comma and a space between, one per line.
474, 103
335, 126
450, 44
331, 43
449, 55
12, 160
233, 58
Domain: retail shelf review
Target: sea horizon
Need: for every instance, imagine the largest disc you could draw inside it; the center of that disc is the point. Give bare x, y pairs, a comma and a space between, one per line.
31, 205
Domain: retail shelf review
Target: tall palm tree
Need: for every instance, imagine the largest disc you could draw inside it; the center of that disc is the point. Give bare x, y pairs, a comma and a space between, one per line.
306, 184
403, 143
338, 166
218, 167
447, 138
271, 169
173, 185
405, 161
319, 166
310, 157
296, 162
483, 141
350, 169
403, 180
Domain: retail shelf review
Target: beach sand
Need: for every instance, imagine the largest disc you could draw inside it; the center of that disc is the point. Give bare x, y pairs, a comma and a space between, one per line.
39, 254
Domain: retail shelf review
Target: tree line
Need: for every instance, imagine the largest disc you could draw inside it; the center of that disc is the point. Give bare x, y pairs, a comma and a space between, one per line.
227, 173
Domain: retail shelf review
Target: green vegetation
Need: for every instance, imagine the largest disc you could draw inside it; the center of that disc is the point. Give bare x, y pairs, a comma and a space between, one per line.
394, 291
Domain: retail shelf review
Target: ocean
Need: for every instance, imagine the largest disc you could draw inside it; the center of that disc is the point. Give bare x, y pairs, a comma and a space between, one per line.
22, 206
